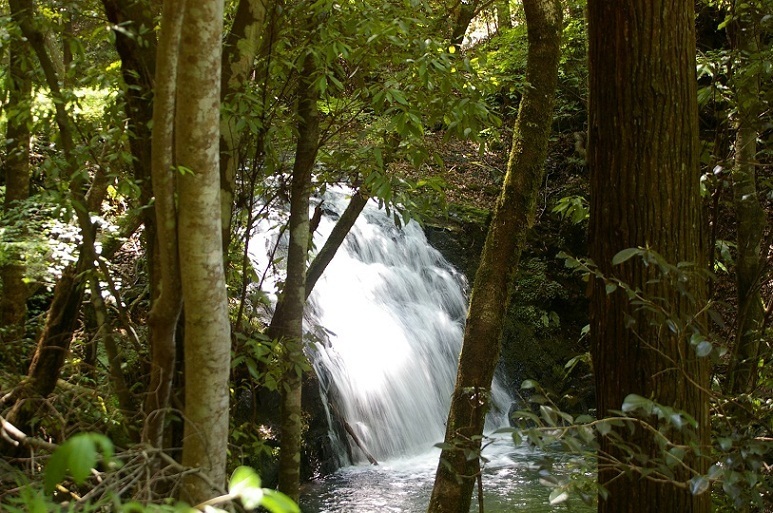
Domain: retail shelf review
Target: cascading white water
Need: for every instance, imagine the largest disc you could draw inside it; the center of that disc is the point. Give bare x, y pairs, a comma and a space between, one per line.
386, 324
387, 319
394, 311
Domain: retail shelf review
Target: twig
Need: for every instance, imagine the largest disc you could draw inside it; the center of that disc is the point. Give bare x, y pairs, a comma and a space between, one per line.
15, 436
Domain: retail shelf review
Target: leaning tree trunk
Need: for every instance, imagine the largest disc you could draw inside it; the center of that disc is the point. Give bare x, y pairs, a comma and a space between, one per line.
643, 156
287, 322
513, 216
207, 329
749, 212
54, 340
465, 12
13, 303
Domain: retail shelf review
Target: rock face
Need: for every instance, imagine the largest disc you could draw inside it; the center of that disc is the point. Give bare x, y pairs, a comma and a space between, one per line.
460, 237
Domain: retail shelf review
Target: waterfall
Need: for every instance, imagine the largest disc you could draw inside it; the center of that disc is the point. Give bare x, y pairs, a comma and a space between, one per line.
391, 311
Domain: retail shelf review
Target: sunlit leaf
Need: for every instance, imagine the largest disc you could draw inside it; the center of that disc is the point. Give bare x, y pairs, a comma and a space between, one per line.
245, 483
699, 485
557, 496
633, 402
277, 502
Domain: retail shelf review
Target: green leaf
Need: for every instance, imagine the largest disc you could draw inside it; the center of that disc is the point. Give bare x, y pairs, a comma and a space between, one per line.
633, 402
245, 484
699, 485
79, 456
56, 469
185, 170
675, 456
725, 443
624, 255
604, 428
82, 456
557, 496
529, 384
277, 502
703, 349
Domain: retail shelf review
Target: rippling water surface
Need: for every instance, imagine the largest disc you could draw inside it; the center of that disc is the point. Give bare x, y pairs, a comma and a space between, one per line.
511, 484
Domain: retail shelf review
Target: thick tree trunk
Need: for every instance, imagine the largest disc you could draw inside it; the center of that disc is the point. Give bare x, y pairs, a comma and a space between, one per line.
207, 328
749, 212
52, 346
513, 217
643, 155
287, 322
167, 304
13, 303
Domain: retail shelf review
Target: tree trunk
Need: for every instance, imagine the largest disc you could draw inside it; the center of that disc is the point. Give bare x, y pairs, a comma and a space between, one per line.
241, 47
287, 322
750, 215
504, 15
513, 216
52, 346
13, 303
465, 12
643, 155
166, 307
135, 43
54, 341
207, 329
337, 235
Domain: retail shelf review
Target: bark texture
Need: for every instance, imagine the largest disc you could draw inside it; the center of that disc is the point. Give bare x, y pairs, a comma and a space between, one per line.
333, 242
167, 304
287, 321
643, 156
513, 217
241, 47
749, 212
207, 328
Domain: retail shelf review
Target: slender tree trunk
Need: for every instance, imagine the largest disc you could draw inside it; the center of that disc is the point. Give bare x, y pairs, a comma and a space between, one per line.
337, 235
241, 47
207, 328
13, 303
464, 14
749, 212
165, 312
513, 216
504, 15
643, 155
287, 322
135, 43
